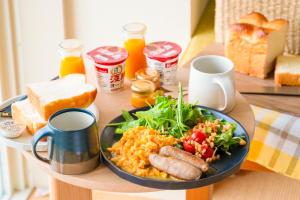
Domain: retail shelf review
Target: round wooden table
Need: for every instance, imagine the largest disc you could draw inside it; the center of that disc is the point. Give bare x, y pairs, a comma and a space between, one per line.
110, 105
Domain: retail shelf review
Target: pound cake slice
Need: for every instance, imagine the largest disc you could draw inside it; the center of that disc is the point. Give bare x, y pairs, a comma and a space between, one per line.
287, 71
254, 43
69, 92
24, 113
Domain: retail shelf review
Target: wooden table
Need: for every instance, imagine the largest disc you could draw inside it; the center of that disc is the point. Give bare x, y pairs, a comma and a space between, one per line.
110, 105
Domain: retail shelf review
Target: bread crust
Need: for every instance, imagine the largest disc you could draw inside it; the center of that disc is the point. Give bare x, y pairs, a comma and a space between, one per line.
249, 32
254, 18
247, 44
287, 79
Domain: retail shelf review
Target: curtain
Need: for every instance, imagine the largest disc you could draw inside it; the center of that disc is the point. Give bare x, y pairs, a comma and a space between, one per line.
8, 62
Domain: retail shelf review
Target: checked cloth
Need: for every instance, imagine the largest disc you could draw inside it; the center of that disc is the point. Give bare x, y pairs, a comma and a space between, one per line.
276, 142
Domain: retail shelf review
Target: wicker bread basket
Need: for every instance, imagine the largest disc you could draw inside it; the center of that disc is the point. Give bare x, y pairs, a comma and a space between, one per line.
229, 11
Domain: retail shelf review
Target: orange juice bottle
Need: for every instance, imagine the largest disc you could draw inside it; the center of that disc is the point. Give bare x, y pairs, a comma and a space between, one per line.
71, 58
134, 44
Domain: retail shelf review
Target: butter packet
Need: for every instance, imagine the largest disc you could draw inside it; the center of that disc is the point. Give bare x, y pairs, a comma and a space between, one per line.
11, 129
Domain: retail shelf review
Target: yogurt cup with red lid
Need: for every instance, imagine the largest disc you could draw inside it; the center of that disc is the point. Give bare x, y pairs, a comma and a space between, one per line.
109, 62
163, 56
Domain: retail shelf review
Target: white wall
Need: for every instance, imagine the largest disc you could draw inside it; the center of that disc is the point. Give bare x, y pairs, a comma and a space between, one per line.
99, 22
41, 28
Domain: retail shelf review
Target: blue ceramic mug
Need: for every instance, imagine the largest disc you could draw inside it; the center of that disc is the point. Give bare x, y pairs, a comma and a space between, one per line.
73, 141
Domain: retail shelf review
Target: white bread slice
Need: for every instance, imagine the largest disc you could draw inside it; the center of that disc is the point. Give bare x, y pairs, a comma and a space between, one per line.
69, 92
254, 43
24, 113
287, 70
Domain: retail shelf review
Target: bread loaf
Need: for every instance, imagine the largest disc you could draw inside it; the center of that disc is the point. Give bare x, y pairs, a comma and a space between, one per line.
51, 96
24, 113
254, 43
287, 71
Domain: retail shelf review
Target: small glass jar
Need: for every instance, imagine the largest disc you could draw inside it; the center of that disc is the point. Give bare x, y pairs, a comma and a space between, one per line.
150, 75
71, 57
142, 93
134, 43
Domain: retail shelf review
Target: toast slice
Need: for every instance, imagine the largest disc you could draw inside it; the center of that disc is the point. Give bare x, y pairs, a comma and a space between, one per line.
69, 92
24, 113
287, 70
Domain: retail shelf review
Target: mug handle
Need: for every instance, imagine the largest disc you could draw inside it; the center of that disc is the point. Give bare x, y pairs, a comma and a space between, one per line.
229, 93
44, 132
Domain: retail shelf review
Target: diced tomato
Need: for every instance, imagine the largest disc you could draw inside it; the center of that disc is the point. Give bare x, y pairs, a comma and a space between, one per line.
188, 147
198, 136
208, 153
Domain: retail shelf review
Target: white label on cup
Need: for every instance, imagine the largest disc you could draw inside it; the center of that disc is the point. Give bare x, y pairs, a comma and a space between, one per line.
110, 78
167, 70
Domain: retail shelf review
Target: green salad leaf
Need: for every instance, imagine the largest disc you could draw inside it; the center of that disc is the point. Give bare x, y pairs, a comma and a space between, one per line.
207, 115
225, 140
168, 115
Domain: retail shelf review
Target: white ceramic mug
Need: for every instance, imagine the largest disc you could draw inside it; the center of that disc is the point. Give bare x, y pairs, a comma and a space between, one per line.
211, 82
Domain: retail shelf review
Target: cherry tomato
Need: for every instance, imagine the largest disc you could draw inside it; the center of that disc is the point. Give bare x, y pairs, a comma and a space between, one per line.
188, 147
208, 153
198, 136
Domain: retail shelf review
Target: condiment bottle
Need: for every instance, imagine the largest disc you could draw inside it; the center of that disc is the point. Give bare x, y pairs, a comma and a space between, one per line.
142, 93
149, 74
71, 57
134, 43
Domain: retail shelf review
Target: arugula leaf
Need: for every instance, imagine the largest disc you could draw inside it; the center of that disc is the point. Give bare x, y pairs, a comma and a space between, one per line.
180, 127
226, 140
168, 115
126, 115
207, 115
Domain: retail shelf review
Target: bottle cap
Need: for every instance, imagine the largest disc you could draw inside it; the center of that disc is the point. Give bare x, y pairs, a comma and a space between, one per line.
143, 87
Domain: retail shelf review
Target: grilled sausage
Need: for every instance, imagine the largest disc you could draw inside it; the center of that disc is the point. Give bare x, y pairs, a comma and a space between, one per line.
184, 156
175, 167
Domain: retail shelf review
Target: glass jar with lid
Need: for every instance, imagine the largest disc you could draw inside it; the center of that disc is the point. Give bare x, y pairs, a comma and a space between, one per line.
149, 74
142, 93
134, 43
71, 57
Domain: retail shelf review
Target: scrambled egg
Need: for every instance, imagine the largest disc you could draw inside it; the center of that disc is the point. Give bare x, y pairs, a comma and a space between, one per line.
132, 151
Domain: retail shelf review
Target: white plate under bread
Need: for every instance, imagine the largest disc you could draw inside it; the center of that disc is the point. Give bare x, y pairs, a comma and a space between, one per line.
24, 141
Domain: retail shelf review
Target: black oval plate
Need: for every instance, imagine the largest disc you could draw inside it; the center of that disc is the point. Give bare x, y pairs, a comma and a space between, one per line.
219, 170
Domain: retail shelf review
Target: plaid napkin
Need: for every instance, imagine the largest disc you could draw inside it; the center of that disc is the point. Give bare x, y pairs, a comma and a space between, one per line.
276, 142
